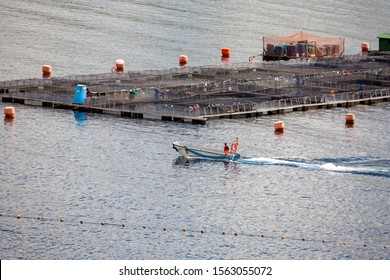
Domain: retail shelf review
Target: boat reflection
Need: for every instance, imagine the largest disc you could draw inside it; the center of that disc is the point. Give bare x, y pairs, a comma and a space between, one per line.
185, 162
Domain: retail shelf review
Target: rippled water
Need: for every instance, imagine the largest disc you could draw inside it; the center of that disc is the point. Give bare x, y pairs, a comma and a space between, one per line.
320, 181
86, 37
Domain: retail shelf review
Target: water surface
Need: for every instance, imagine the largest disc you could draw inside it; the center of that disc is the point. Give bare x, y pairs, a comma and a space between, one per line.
320, 181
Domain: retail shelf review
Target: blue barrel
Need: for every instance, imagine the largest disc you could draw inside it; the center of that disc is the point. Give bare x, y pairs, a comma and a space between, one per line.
281, 49
302, 48
298, 80
80, 94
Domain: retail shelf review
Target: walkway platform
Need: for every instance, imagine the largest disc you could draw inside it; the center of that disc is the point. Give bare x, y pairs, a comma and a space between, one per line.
200, 120
199, 94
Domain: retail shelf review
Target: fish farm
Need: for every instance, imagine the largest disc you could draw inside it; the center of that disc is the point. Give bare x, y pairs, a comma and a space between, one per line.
199, 94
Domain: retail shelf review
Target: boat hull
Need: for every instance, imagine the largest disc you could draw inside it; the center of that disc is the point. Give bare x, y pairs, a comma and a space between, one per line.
196, 152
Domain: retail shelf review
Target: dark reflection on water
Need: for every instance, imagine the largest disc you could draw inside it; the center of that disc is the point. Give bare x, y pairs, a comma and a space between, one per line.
9, 121
80, 117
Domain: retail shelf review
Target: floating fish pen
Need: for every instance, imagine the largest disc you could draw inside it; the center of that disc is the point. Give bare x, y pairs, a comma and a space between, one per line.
301, 45
207, 90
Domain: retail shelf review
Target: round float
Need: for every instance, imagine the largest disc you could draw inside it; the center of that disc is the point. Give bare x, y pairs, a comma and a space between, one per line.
9, 112
46, 71
349, 118
279, 126
120, 64
183, 59
225, 52
365, 46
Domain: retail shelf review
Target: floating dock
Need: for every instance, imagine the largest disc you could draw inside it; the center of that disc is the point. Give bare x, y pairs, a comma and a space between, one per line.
199, 94
384, 96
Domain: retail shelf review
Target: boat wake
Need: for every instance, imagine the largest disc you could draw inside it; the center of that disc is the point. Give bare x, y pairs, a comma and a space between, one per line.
363, 166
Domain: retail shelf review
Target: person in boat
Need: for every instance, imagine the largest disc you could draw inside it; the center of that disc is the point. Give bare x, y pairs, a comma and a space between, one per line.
226, 149
234, 147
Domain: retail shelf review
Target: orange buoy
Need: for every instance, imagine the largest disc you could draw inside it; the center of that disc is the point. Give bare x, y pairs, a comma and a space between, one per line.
46, 71
279, 126
46, 68
365, 47
183, 59
9, 112
120, 65
225, 52
349, 118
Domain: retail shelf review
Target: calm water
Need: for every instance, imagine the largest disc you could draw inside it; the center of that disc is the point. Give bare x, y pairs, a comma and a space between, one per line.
320, 181
81, 37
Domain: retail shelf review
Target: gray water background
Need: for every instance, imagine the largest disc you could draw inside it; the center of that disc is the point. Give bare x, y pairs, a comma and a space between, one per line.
320, 181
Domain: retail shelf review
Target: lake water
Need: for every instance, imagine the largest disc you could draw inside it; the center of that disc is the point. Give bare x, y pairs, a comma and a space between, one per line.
319, 191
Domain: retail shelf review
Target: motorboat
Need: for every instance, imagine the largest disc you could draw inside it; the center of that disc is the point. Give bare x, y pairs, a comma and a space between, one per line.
206, 153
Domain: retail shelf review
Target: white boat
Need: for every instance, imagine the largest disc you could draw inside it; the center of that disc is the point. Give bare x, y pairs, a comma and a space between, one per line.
196, 152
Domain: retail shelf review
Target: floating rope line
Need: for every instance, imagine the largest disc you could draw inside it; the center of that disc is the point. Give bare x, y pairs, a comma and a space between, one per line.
190, 231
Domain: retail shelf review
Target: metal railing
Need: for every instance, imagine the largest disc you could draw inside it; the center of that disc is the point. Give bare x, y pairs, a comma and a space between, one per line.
249, 71
187, 86
318, 99
209, 105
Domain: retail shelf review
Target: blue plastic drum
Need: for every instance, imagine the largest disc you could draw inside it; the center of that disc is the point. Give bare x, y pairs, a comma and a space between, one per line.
80, 94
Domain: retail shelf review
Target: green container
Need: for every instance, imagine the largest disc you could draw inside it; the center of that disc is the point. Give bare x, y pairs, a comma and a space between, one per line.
312, 50
384, 42
134, 92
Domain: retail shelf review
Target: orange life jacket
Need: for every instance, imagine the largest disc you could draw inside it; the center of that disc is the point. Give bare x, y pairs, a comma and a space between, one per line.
226, 149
